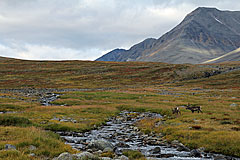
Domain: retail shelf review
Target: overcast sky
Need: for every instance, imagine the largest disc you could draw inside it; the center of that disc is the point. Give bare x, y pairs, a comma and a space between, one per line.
87, 29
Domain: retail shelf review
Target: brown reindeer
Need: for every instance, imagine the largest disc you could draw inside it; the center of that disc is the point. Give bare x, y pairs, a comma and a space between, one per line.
194, 108
176, 110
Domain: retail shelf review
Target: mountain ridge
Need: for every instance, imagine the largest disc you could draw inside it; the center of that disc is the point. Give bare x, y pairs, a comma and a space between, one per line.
204, 34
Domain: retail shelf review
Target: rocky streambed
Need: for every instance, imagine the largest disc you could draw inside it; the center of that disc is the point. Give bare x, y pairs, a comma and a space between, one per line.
120, 134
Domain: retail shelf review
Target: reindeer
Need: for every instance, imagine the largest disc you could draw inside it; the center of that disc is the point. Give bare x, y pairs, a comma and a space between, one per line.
194, 108
176, 110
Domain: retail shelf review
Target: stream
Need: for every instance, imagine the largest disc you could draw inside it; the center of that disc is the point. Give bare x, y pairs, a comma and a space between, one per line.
119, 134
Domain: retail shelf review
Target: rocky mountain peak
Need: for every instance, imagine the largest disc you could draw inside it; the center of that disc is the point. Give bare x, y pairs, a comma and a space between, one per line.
204, 34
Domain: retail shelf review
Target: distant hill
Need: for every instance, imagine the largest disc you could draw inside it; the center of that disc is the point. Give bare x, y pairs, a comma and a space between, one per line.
231, 56
204, 34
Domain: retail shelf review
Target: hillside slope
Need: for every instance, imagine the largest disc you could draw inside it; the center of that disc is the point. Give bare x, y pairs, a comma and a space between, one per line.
204, 34
231, 56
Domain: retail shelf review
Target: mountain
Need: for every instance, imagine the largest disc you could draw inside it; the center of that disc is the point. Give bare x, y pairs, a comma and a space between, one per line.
204, 34
231, 56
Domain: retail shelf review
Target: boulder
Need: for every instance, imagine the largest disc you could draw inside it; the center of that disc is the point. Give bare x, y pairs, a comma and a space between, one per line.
117, 151
195, 153
100, 145
181, 147
175, 143
156, 150
108, 150
122, 145
64, 156
123, 158
84, 155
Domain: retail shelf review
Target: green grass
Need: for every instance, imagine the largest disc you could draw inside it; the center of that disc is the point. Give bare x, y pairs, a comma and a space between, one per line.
14, 121
48, 144
134, 86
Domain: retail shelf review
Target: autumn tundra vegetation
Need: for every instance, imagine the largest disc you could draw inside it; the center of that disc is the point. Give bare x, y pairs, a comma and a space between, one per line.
91, 92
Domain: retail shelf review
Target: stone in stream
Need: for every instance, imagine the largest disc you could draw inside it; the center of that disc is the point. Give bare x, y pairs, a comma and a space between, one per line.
123, 158
156, 150
64, 156
107, 150
122, 145
69, 140
167, 155
181, 147
117, 151
195, 153
84, 155
99, 145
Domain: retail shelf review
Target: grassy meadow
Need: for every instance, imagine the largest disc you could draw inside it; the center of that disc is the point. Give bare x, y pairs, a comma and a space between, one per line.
137, 86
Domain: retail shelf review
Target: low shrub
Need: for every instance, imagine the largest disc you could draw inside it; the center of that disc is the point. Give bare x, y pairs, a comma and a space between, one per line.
14, 121
58, 127
226, 122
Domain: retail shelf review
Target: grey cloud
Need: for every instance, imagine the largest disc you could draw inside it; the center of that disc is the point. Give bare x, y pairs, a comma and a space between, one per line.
87, 28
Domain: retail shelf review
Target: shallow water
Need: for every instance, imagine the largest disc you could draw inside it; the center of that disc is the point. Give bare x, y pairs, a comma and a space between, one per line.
121, 129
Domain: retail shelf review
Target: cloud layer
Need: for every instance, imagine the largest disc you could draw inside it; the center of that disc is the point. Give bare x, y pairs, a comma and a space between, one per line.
86, 29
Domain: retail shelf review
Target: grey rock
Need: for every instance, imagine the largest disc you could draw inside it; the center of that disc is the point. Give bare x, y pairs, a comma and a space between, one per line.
122, 145
84, 155
108, 149
98, 152
123, 157
220, 157
65, 156
56, 119
89, 150
175, 143
156, 150
167, 155
100, 145
201, 149
195, 153
117, 151
181, 147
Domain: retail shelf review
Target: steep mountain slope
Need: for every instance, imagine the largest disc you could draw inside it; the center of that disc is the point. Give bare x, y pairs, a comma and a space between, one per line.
129, 55
231, 56
204, 34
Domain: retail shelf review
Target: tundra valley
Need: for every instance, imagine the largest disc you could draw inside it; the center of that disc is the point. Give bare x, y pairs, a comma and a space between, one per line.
176, 97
